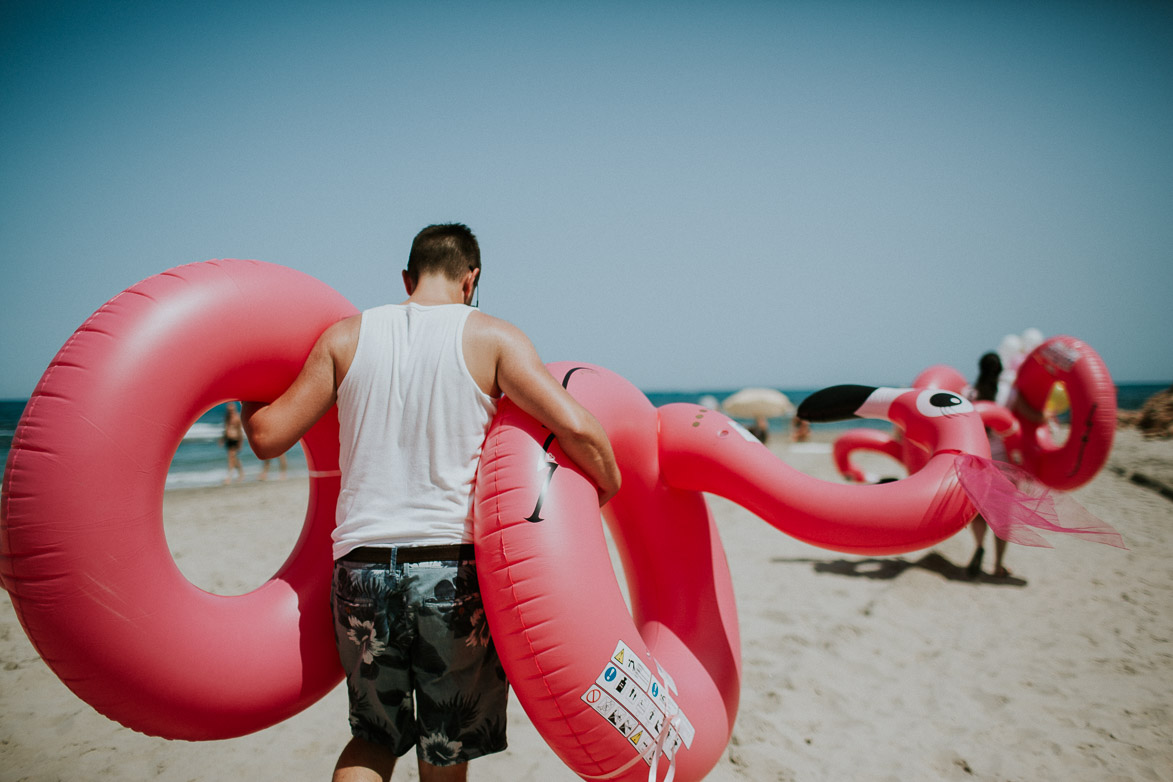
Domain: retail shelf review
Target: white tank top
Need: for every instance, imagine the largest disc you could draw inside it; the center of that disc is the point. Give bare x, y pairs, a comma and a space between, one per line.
411, 425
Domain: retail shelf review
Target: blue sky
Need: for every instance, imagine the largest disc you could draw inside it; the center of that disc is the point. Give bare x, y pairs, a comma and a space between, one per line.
695, 195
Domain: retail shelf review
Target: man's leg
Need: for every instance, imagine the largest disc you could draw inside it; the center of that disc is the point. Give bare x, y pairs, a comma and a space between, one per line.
365, 610
430, 773
460, 710
362, 761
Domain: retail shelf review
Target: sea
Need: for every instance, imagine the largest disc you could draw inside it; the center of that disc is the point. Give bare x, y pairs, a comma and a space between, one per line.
201, 459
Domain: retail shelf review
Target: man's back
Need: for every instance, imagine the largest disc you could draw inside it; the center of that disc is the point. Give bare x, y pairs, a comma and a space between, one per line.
412, 420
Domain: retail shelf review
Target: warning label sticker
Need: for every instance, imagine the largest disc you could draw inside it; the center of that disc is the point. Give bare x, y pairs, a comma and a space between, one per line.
1061, 356
629, 696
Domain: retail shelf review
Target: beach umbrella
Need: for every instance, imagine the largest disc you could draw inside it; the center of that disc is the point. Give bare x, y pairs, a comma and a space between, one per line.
757, 402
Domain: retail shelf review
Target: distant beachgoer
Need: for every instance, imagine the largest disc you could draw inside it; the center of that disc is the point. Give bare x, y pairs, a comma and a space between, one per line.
986, 388
760, 428
282, 462
232, 440
800, 430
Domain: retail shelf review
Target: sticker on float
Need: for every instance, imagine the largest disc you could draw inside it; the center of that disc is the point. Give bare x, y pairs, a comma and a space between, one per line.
636, 703
1061, 356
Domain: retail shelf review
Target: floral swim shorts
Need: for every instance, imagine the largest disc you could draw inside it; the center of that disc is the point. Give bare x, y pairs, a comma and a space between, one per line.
421, 668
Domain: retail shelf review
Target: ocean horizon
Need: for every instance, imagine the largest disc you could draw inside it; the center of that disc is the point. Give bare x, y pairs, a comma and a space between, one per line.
201, 461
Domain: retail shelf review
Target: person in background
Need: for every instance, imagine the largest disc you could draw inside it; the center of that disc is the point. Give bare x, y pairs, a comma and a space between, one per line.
232, 439
986, 387
760, 428
282, 463
416, 385
800, 430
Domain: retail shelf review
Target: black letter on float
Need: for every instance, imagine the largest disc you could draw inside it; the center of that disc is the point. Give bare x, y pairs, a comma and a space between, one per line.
552, 465
534, 517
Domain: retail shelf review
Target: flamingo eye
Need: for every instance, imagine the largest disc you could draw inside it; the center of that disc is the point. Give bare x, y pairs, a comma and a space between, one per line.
935, 403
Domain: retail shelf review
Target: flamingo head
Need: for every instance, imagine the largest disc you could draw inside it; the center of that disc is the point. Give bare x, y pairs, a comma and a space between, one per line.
932, 420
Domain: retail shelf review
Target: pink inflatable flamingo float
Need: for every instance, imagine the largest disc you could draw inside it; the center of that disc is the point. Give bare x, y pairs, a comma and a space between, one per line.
608, 688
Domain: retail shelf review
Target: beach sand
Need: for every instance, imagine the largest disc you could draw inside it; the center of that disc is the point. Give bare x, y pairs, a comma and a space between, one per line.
854, 668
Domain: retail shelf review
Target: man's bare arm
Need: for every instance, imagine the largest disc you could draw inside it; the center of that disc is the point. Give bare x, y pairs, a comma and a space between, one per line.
274, 428
525, 380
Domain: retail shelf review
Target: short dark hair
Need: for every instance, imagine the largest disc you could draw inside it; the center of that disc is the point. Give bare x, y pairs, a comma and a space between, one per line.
450, 249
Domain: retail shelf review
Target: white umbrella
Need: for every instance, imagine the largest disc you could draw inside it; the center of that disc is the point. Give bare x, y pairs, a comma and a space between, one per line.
755, 402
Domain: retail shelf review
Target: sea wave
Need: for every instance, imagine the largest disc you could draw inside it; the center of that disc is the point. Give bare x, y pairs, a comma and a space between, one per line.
198, 479
204, 431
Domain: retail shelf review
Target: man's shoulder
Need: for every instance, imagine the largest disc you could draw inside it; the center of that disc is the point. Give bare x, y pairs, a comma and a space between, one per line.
346, 325
342, 334
495, 336
484, 324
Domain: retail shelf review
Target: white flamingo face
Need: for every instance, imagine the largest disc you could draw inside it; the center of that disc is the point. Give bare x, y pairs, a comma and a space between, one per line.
930, 403
879, 403
935, 403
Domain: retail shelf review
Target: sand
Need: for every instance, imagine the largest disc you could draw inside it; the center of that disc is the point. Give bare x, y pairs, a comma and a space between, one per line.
854, 668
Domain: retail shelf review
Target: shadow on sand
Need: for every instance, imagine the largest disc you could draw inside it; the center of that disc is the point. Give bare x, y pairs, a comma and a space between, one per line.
887, 569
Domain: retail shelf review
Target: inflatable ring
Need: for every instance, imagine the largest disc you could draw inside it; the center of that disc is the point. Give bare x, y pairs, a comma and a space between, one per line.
1092, 397
606, 687
82, 550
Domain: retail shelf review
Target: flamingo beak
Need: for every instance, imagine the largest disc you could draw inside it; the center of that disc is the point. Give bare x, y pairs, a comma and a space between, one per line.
837, 403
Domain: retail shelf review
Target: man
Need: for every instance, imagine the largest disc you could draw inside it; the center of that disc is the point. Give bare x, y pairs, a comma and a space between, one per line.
416, 386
